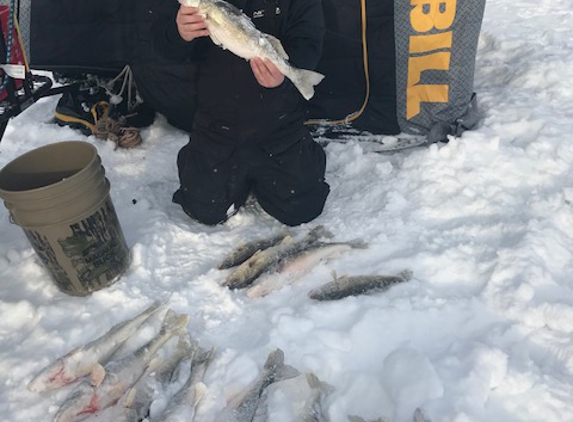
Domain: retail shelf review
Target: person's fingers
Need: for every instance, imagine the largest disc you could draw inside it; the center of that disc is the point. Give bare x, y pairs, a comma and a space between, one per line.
266, 73
260, 71
272, 70
190, 23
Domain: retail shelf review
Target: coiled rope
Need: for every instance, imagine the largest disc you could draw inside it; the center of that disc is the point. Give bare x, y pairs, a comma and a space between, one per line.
114, 129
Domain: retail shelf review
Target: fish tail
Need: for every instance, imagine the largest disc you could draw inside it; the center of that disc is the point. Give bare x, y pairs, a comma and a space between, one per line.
406, 275
321, 231
315, 383
357, 244
275, 364
305, 80
153, 309
285, 372
186, 348
204, 356
174, 322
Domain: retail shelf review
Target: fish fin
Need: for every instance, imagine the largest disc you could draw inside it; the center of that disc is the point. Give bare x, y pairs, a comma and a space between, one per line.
277, 45
216, 41
200, 391
257, 252
97, 375
153, 364
129, 397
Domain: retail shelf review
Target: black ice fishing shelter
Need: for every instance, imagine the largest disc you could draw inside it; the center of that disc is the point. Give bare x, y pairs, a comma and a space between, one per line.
391, 66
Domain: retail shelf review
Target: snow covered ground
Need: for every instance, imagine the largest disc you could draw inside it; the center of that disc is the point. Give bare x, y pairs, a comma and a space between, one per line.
483, 331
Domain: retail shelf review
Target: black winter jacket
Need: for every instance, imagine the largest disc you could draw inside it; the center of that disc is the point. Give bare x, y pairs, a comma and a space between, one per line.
228, 94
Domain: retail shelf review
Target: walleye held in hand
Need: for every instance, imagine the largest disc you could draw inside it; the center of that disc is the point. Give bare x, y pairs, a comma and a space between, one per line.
232, 30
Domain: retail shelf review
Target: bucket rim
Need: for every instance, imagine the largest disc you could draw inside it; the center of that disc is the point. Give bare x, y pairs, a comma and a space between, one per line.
87, 212
40, 189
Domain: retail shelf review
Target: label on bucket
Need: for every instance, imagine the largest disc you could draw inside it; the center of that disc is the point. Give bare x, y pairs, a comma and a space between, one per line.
86, 255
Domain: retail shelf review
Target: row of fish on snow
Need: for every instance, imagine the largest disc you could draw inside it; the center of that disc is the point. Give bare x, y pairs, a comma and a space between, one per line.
124, 388
265, 265
115, 387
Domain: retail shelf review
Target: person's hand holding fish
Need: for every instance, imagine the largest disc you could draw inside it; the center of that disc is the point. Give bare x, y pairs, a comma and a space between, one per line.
229, 28
190, 23
267, 74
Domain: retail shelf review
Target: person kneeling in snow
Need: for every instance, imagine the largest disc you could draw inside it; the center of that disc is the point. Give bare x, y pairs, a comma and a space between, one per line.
248, 133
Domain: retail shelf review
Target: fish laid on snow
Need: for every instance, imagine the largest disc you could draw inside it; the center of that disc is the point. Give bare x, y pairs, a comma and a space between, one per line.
314, 410
139, 398
345, 286
248, 271
182, 406
242, 408
167, 369
245, 251
108, 384
302, 398
232, 30
80, 361
293, 267
123, 411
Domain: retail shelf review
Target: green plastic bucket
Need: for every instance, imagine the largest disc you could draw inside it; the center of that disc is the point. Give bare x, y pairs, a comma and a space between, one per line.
59, 195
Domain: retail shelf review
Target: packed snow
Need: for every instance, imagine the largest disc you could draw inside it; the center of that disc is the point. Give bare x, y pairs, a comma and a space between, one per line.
483, 330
